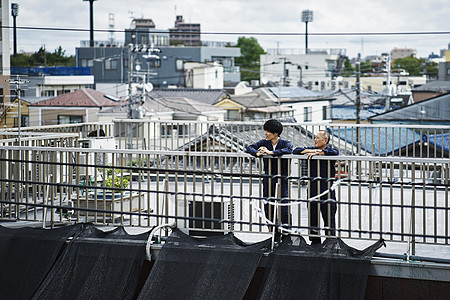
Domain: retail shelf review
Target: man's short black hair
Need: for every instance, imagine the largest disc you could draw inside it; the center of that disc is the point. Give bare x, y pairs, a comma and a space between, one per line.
273, 126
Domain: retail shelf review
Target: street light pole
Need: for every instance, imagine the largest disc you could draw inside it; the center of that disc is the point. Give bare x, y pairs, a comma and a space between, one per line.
91, 22
307, 16
14, 14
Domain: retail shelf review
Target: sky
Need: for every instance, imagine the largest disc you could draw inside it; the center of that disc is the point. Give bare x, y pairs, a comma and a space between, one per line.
245, 18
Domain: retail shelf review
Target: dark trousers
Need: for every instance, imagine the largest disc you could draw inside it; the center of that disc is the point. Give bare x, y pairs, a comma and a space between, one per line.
269, 209
328, 212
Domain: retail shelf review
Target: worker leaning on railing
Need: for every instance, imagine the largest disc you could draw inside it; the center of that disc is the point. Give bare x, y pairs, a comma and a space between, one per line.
323, 169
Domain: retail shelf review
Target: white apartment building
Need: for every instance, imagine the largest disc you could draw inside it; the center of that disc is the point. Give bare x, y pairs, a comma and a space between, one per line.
293, 67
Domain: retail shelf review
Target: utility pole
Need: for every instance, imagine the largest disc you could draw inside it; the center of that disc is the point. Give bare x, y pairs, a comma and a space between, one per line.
358, 91
17, 83
387, 60
358, 106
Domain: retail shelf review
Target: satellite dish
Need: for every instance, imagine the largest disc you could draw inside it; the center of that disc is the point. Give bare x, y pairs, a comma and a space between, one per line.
138, 67
148, 87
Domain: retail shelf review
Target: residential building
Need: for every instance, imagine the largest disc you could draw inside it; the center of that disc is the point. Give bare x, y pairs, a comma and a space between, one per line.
402, 52
343, 108
203, 75
307, 105
187, 34
398, 84
255, 105
143, 32
432, 111
110, 65
79, 106
5, 101
293, 67
444, 68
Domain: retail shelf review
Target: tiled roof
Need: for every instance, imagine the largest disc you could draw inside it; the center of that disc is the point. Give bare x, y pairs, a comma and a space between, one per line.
379, 141
168, 104
178, 104
433, 109
346, 112
294, 93
348, 97
440, 140
208, 96
83, 97
434, 86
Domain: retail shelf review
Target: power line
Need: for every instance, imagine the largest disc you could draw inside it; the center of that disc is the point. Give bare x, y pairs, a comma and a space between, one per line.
242, 33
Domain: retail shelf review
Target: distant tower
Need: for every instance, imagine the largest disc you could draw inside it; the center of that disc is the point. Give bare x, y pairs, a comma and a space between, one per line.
111, 25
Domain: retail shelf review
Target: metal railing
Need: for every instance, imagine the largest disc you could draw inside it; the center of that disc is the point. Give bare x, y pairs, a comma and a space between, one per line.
396, 198
349, 139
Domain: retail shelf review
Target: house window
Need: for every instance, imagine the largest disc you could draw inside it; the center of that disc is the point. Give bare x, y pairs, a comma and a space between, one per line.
180, 130
448, 71
307, 114
69, 119
111, 64
232, 114
325, 112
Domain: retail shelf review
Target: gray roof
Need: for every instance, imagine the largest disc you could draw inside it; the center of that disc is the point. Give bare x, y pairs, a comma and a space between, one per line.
208, 96
436, 109
253, 99
168, 104
348, 97
434, 86
347, 112
180, 104
294, 92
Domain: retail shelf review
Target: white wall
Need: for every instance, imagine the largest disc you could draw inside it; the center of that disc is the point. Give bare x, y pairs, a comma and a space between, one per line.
318, 66
205, 76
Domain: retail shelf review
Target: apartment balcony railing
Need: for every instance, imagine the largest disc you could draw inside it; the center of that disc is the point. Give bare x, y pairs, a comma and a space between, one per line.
402, 199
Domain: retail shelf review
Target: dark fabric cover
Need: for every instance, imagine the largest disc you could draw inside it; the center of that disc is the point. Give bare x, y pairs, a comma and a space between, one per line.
97, 265
218, 267
331, 270
26, 256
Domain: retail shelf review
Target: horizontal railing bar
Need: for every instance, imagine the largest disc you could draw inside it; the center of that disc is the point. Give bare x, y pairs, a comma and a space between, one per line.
401, 159
118, 190
144, 214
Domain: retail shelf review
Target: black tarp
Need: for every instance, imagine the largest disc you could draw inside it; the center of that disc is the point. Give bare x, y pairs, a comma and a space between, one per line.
332, 270
26, 256
217, 267
97, 265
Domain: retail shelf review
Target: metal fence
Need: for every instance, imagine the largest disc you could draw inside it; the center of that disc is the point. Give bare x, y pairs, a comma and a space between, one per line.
396, 198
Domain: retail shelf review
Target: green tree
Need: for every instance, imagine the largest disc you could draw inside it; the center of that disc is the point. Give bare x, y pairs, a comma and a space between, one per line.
365, 67
42, 58
348, 69
249, 59
414, 66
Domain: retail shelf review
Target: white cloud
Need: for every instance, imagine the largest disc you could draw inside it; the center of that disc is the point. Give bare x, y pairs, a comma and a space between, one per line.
249, 16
